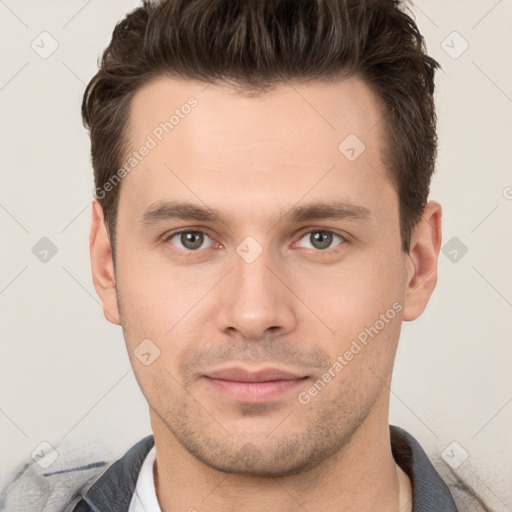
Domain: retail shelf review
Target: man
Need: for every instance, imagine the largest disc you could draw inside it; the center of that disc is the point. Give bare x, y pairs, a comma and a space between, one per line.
260, 230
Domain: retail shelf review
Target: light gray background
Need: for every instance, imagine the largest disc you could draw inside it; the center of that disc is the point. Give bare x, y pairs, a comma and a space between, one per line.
64, 372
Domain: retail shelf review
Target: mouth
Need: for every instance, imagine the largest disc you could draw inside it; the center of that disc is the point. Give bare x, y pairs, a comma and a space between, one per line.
259, 386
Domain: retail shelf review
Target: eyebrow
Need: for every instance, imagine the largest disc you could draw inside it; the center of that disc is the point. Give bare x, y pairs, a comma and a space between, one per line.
162, 211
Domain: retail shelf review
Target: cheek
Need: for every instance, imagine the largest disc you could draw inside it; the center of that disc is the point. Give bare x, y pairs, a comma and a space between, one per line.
154, 296
160, 383
351, 295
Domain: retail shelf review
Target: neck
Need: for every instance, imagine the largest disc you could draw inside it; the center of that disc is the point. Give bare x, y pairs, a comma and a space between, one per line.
361, 476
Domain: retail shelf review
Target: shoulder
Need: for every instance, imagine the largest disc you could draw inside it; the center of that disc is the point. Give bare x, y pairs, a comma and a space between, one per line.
434, 482
54, 479
463, 488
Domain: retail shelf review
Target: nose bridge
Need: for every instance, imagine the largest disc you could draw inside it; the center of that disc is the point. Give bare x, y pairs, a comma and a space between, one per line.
252, 269
256, 287
256, 299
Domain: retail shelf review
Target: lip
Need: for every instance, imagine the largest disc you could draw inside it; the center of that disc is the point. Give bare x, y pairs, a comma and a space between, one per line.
258, 386
240, 374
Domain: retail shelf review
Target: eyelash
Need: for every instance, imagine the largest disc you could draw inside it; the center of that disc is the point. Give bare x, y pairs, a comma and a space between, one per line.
332, 250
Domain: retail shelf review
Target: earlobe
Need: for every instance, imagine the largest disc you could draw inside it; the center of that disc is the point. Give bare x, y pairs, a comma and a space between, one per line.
422, 261
102, 265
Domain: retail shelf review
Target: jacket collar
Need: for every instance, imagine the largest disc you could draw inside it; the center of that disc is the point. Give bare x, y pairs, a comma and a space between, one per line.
430, 493
113, 490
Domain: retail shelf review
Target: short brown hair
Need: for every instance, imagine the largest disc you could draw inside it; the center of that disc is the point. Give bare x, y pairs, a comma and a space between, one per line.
254, 45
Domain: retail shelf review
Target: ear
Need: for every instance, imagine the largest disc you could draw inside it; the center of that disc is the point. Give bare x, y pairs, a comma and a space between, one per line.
421, 261
102, 264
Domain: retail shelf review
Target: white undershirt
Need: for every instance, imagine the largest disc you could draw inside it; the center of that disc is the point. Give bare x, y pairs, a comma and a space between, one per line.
144, 497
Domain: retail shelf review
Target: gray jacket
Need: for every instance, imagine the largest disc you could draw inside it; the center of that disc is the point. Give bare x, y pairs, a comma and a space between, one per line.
80, 482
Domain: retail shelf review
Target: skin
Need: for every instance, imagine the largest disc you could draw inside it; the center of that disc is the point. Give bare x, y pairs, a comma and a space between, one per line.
296, 307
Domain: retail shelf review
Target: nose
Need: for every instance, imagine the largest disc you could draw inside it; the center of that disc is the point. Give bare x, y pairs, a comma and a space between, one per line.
257, 299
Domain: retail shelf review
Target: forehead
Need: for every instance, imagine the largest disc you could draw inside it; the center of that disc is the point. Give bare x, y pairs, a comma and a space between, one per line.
208, 139
318, 111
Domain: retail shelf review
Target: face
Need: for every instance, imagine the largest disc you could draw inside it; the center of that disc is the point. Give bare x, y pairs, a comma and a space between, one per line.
259, 277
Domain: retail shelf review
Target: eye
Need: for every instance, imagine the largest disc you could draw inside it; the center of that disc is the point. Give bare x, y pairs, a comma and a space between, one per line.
321, 239
189, 240
193, 240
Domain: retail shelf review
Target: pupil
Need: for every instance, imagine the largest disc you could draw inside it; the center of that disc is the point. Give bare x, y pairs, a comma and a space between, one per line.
322, 239
187, 239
